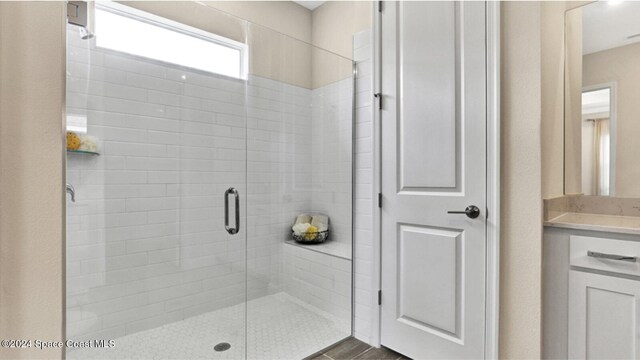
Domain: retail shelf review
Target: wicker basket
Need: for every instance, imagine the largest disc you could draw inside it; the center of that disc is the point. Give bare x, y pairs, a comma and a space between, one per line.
311, 237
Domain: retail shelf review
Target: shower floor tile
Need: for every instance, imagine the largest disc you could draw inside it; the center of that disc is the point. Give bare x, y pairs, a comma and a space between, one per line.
279, 327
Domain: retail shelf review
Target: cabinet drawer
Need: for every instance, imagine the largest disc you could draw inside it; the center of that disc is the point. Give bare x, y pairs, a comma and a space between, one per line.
618, 256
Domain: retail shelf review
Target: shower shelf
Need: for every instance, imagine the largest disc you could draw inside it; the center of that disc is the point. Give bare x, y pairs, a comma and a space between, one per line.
83, 152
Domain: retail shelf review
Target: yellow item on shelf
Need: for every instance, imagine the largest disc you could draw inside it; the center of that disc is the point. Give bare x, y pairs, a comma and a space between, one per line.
73, 141
312, 233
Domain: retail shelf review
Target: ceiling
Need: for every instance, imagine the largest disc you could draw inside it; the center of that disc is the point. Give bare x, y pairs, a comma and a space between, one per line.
311, 5
608, 24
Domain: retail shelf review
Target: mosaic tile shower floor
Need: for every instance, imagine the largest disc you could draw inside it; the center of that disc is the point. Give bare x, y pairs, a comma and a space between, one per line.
279, 327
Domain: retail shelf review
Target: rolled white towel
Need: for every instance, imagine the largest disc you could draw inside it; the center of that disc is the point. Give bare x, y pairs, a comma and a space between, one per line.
321, 222
300, 229
303, 219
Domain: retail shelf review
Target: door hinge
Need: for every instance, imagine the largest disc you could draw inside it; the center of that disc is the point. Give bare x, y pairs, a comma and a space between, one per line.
379, 297
379, 97
380, 6
380, 200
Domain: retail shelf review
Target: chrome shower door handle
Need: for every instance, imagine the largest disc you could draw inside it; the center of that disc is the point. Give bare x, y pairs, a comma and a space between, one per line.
236, 228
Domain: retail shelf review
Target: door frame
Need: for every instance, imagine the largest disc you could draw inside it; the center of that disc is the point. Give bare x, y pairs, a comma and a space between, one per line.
492, 297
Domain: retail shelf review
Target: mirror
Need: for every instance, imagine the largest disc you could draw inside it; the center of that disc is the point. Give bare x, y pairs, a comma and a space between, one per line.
602, 99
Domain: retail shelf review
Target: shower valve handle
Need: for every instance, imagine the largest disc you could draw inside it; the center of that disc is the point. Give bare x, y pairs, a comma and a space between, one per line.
71, 191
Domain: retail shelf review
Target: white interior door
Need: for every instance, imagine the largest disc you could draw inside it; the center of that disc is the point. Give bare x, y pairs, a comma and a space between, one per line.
433, 121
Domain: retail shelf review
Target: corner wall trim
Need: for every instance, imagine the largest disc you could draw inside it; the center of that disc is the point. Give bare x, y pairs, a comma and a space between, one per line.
376, 322
376, 277
492, 303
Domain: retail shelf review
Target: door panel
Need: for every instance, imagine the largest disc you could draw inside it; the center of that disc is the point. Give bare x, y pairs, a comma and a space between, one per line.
433, 160
427, 132
428, 259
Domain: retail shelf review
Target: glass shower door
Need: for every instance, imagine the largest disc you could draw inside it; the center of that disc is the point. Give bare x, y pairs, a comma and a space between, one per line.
300, 166
156, 160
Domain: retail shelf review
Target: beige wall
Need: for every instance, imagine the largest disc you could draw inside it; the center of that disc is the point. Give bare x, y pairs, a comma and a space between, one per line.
573, 104
334, 22
552, 134
333, 25
521, 229
32, 52
329, 26
553, 59
620, 65
285, 17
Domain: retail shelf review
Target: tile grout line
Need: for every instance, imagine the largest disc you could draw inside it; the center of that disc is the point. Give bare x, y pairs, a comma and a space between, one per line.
365, 351
353, 357
362, 353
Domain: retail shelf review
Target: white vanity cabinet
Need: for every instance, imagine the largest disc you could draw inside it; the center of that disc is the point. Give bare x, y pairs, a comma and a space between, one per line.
603, 306
603, 316
591, 294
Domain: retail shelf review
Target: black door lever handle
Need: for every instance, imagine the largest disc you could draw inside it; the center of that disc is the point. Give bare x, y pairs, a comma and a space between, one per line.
471, 211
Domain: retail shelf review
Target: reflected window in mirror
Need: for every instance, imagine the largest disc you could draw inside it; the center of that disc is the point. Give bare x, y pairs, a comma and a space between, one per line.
596, 141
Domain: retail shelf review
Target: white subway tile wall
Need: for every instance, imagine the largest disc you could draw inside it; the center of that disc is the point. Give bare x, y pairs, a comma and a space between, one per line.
296, 164
321, 275
146, 244
278, 176
364, 288
332, 140
319, 279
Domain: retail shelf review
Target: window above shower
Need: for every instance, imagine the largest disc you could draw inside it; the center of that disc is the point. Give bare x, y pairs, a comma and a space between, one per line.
128, 30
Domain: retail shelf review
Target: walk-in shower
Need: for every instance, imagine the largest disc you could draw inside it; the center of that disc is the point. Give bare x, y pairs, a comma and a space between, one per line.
181, 117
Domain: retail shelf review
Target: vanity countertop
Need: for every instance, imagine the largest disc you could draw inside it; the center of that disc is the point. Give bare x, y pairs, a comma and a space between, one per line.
597, 222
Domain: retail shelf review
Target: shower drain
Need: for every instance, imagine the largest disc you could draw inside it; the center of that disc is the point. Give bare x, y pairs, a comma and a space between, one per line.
222, 347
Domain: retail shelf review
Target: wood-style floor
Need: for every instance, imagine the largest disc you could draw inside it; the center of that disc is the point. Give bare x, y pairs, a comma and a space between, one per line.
352, 348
